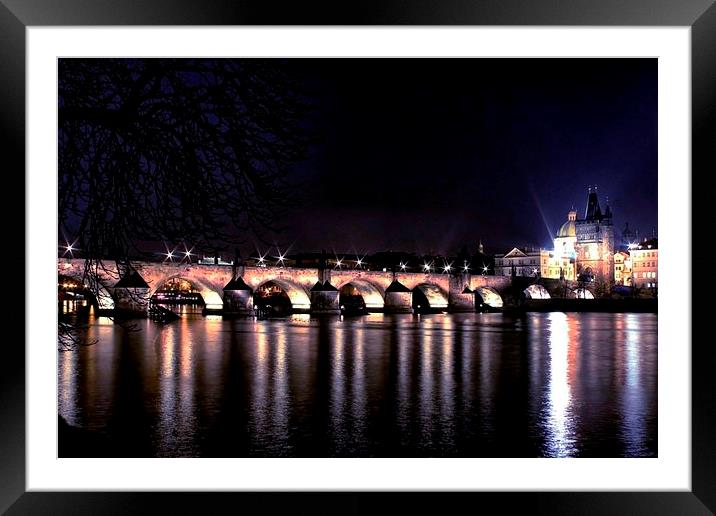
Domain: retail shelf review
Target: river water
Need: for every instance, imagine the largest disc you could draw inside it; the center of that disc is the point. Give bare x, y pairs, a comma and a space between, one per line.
449, 385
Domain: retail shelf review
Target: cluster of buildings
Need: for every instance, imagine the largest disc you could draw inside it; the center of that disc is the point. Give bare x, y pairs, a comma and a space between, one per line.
585, 249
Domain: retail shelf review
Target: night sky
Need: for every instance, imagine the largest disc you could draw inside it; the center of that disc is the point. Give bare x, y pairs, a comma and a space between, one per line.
427, 155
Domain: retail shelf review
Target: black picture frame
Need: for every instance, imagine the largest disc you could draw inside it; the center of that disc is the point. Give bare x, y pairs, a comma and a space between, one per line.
700, 15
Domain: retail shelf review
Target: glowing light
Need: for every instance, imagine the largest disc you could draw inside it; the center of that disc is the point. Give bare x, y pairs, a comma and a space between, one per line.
426, 267
169, 255
339, 263
447, 268
402, 266
465, 267
359, 262
484, 269
281, 257
70, 248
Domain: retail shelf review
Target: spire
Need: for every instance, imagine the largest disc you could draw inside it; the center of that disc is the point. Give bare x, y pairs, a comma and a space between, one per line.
607, 210
592, 212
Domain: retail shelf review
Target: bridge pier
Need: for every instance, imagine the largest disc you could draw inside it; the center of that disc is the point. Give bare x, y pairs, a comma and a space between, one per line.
398, 299
325, 299
131, 295
238, 298
461, 301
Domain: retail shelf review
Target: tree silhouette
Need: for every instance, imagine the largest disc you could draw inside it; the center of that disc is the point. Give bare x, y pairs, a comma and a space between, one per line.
190, 150
177, 150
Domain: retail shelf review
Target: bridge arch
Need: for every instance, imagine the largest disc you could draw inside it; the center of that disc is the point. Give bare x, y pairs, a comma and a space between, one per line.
583, 293
373, 295
427, 296
487, 297
208, 292
297, 294
536, 292
103, 300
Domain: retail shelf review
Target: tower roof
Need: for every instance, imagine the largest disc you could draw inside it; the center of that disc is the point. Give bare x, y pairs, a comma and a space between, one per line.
131, 279
397, 286
237, 284
593, 211
323, 287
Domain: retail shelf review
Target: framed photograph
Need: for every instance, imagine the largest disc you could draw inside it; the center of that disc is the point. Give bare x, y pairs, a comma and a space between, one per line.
411, 251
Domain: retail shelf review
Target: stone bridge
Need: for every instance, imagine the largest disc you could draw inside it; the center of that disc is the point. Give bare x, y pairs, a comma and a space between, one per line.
227, 289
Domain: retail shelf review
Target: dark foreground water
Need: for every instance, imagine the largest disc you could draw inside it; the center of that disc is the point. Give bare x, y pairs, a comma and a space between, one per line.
464, 385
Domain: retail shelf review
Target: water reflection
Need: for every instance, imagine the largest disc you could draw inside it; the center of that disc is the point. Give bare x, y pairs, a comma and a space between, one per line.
554, 385
559, 417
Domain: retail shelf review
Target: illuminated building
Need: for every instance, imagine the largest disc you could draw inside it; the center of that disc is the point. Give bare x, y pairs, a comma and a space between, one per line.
525, 261
595, 242
622, 268
560, 263
645, 264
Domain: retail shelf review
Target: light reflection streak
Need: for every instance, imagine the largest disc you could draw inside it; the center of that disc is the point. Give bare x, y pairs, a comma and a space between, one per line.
403, 388
447, 382
466, 358
258, 416
489, 366
68, 405
633, 404
559, 431
358, 389
167, 343
426, 381
281, 401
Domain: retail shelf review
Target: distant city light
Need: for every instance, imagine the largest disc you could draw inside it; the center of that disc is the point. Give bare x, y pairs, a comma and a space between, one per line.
465, 267
447, 267
426, 267
359, 262
402, 266
339, 262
